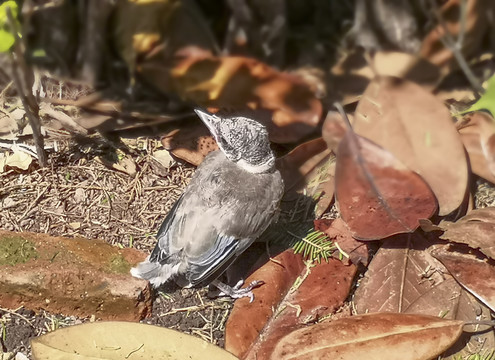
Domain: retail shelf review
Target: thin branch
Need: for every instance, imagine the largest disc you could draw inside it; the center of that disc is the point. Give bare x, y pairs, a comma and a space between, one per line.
28, 101
456, 45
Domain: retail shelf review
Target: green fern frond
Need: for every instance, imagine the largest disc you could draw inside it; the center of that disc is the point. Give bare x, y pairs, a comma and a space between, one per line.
314, 246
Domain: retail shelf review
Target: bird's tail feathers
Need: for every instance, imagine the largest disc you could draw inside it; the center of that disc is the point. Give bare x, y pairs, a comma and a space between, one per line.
155, 272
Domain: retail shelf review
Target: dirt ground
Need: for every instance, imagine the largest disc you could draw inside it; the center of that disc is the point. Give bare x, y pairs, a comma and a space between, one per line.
76, 195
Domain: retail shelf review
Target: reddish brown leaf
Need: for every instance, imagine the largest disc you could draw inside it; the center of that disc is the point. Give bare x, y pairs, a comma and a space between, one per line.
297, 164
237, 82
339, 233
400, 273
371, 337
478, 135
418, 130
476, 229
294, 295
471, 272
377, 195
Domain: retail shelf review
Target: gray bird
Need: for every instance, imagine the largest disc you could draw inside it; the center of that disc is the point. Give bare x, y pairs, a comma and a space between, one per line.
232, 198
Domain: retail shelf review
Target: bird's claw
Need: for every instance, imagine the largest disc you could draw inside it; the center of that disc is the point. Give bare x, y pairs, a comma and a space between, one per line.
235, 292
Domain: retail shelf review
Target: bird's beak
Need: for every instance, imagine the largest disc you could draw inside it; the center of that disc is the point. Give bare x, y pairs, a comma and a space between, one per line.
211, 121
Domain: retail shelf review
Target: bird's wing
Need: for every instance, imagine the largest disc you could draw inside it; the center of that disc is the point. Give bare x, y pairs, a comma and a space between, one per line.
161, 253
210, 265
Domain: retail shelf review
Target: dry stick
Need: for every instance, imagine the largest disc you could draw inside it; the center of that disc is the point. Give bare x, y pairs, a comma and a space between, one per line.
28, 101
456, 46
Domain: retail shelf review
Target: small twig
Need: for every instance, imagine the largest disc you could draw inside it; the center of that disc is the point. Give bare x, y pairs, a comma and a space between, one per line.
28, 102
456, 45
18, 315
34, 203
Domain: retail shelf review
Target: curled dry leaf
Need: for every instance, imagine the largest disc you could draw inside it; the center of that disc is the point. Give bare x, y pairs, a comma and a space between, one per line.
373, 337
18, 160
476, 229
377, 195
478, 135
238, 82
400, 274
123, 340
473, 273
418, 130
295, 294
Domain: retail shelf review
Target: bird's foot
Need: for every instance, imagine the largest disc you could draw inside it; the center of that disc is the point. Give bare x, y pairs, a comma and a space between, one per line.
235, 292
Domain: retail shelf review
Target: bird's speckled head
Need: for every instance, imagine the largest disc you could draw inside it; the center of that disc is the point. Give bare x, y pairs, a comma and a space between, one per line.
242, 140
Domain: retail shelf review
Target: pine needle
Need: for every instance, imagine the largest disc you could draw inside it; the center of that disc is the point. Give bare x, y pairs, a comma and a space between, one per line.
314, 246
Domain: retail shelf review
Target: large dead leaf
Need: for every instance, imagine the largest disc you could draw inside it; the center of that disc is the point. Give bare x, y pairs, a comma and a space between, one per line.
400, 274
122, 340
294, 295
450, 301
473, 273
292, 109
478, 135
476, 229
371, 336
377, 195
352, 74
418, 130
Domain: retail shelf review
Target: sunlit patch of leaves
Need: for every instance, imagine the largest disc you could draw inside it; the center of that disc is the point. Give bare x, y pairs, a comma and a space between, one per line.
315, 246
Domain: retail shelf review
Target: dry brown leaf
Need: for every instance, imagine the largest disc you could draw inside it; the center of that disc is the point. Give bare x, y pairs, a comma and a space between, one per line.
297, 164
18, 160
124, 164
190, 144
476, 229
417, 128
237, 82
404, 277
473, 273
294, 295
338, 232
400, 273
478, 135
450, 301
372, 337
334, 129
377, 195
163, 157
8, 128
352, 74
123, 340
